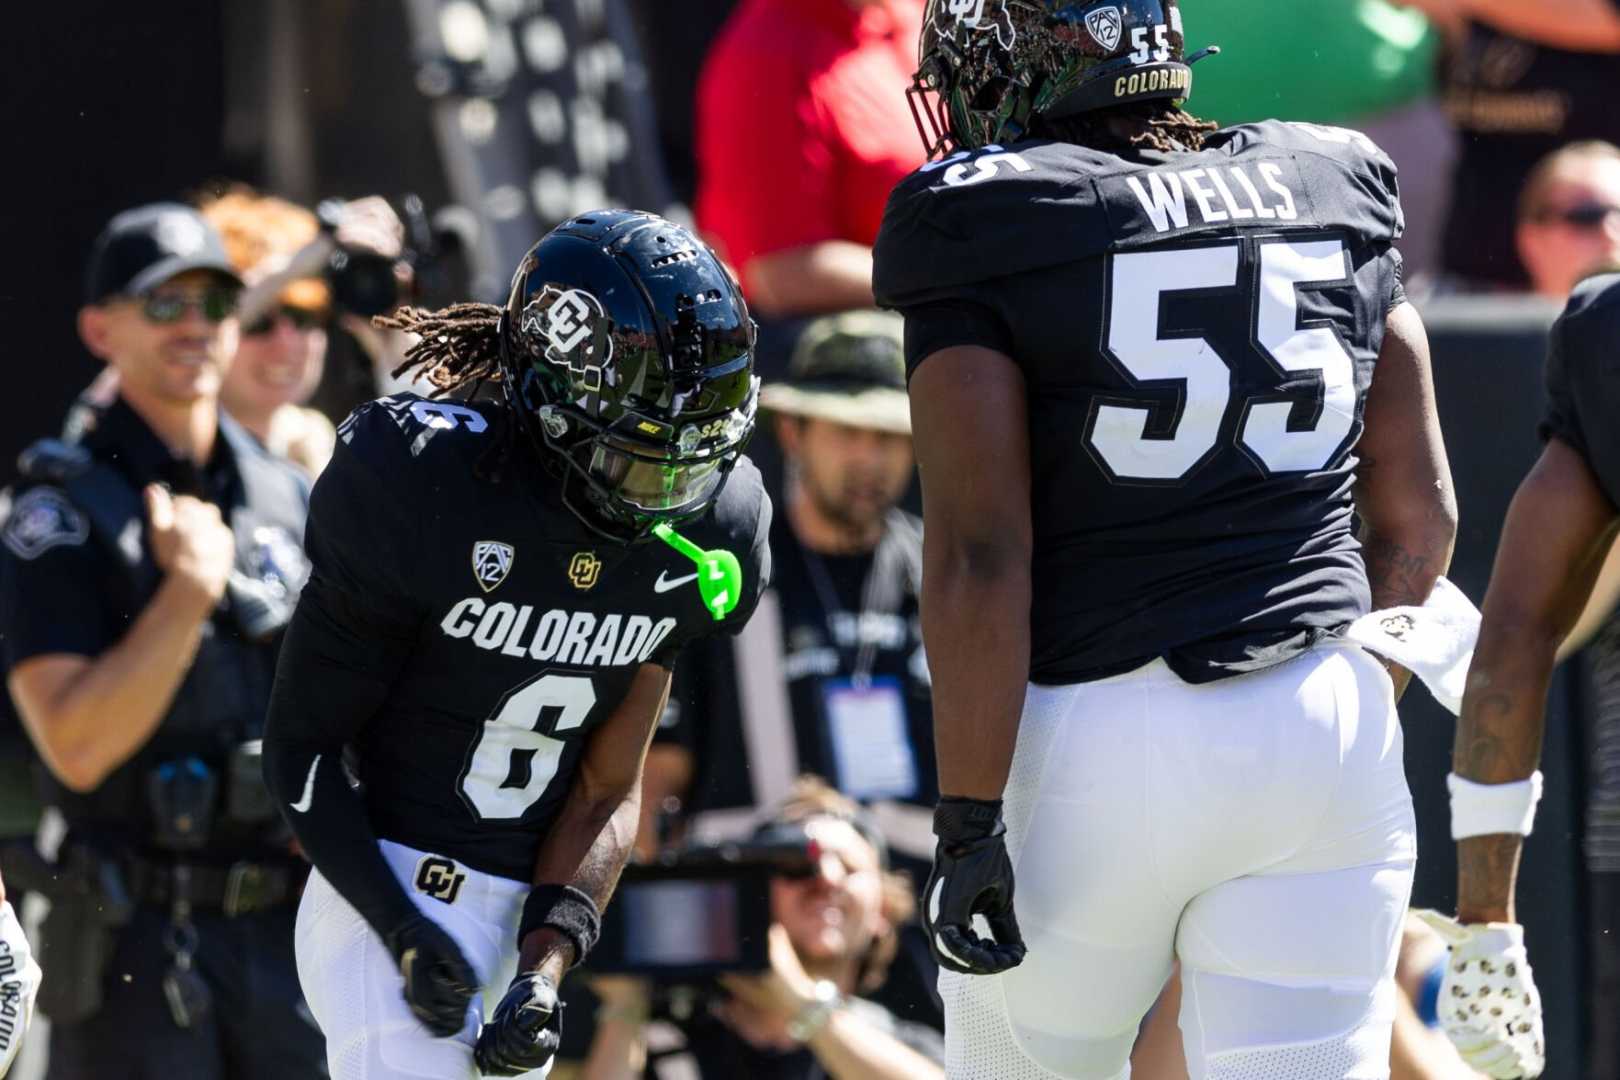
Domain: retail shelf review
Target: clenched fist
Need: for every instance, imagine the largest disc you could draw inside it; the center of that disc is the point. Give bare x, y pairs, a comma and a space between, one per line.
190, 541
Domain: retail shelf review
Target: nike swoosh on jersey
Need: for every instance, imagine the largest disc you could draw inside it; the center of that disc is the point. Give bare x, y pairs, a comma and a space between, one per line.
307, 799
664, 584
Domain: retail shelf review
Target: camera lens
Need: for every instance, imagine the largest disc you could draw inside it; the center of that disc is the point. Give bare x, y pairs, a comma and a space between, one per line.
362, 283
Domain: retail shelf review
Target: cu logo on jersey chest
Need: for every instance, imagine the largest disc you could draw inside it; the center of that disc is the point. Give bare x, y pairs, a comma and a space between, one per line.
491, 562
439, 878
583, 569
575, 328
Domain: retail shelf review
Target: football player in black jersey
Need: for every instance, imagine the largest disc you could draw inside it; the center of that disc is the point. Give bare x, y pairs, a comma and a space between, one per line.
1559, 528
467, 690
1156, 370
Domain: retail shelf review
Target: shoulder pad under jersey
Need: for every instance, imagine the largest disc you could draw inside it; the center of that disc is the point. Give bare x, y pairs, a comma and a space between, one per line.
989, 213
1351, 181
407, 424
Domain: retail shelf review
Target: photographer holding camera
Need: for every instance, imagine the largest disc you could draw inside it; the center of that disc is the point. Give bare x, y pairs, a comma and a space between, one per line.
146, 573
832, 937
306, 272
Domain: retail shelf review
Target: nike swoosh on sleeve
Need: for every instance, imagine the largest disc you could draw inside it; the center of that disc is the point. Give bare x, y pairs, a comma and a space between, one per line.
663, 584
307, 799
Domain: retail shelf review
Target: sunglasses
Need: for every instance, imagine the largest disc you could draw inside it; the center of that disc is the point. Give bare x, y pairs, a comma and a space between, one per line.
215, 305
1580, 216
301, 319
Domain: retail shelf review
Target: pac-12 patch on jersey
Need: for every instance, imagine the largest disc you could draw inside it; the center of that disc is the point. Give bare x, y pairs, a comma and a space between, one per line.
491, 561
41, 519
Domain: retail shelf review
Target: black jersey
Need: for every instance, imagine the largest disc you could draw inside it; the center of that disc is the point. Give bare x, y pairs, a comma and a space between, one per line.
1583, 379
511, 629
1197, 332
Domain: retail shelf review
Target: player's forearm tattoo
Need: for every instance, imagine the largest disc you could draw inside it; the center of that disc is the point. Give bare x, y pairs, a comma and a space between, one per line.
1400, 573
1487, 868
599, 870
1480, 751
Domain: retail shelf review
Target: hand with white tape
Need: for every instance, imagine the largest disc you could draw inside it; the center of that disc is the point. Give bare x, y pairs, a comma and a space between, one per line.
19, 982
1489, 1005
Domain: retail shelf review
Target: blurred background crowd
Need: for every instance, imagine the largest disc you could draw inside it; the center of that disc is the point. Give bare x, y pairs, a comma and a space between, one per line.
356, 156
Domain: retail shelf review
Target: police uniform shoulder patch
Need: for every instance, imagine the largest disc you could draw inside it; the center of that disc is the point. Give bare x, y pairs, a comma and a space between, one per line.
41, 519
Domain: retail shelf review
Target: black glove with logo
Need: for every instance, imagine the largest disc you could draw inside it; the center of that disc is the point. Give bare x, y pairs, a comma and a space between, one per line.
439, 983
972, 876
525, 1031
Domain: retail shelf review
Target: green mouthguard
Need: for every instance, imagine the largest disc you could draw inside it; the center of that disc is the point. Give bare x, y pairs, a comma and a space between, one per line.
719, 572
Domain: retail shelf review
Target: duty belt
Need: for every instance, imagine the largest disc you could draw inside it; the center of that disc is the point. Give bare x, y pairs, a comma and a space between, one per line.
239, 889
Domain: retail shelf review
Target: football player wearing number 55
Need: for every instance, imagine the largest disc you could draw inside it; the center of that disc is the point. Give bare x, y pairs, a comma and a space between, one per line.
473, 674
1157, 368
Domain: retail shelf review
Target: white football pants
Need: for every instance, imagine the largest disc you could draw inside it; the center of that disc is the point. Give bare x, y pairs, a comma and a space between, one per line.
354, 987
1258, 827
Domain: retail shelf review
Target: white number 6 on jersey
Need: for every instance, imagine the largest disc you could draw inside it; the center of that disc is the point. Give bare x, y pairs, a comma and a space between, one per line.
487, 780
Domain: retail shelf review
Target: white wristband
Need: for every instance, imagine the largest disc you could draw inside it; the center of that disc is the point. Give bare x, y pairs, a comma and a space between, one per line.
1488, 809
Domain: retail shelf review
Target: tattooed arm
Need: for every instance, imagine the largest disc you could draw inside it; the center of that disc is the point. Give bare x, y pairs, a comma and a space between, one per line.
1403, 482
1557, 533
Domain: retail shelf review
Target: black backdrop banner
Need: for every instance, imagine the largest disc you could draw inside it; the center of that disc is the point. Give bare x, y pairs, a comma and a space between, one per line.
542, 111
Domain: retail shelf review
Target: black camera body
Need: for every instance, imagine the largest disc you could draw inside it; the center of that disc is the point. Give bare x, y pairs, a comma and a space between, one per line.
698, 912
364, 283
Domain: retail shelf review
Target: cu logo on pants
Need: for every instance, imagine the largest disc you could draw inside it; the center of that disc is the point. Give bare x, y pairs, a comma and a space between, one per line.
439, 878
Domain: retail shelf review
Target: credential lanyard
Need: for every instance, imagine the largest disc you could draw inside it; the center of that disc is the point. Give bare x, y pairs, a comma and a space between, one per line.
872, 605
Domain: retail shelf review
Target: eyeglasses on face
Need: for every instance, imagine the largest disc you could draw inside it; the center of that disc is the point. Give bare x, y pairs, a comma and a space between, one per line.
301, 319
215, 305
1587, 215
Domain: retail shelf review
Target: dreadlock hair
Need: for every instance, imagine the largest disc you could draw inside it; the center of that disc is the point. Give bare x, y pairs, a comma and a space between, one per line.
458, 348
1148, 125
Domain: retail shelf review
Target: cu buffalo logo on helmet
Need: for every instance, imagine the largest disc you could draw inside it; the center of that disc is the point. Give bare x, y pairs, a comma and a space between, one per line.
980, 15
575, 330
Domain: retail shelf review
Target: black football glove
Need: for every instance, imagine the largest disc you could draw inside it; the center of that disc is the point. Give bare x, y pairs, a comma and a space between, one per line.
439, 983
972, 876
525, 1031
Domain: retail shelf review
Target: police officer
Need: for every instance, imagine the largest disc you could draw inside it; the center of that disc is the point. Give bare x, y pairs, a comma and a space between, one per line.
145, 575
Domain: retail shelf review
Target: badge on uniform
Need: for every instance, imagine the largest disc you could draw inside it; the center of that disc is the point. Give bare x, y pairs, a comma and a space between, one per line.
439, 878
42, 519
491, 562
583, 569
870, 741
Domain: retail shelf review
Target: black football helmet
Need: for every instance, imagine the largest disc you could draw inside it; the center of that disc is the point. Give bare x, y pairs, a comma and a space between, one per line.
627, 355
985, 68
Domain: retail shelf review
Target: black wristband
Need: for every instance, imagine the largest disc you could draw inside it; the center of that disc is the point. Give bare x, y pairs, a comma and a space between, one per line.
961, 821
566, 910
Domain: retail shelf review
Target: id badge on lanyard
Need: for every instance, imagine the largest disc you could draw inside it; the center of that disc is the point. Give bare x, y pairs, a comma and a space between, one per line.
866, 722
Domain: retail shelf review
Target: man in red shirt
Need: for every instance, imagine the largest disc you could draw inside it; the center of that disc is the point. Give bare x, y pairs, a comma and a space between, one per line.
802, 129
